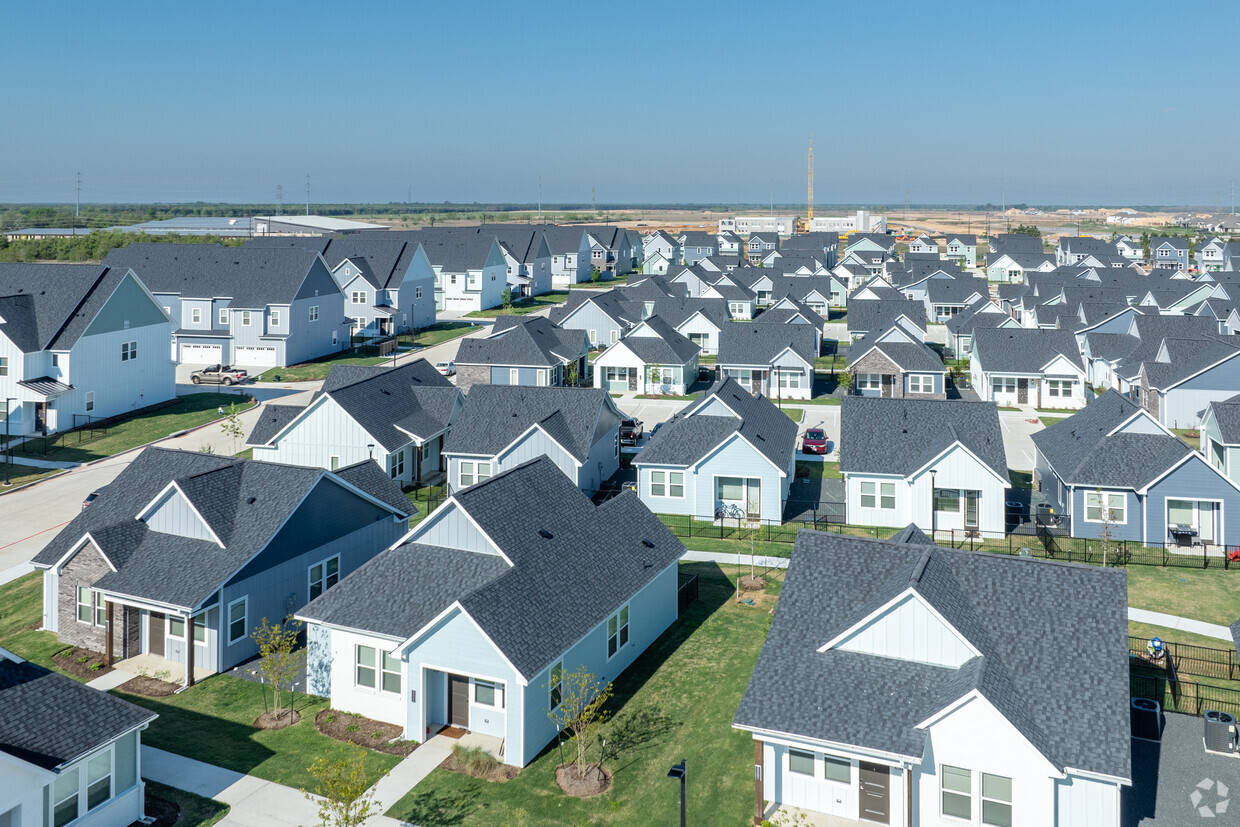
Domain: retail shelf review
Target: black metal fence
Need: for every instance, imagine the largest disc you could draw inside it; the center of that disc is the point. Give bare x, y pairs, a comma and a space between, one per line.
1176, 695
687, 593
1189, 659
85, 429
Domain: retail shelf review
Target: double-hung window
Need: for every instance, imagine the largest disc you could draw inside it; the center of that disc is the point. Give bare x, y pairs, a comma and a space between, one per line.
789, 379
65, 795
667, 484
956, 789
1061, 388
236, 620
417, 292
920, 383
1114, 501
358, 297
176, 627
245, 318
324, 575
838, 770
398, 463
84, 606
800, 763
196, 315
869, 381
90, 401
996, 800
129, 351
617, 631
472, 472
275, 318
223, 317
364, 666
314, 313
4, 366
878, 495
98, 779
947, 500
391, 673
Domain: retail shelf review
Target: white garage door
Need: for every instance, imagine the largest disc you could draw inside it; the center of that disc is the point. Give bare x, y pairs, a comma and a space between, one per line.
200, 354
260, 357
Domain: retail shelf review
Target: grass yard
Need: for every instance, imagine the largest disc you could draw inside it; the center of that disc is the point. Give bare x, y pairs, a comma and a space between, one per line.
213, 722
1212, 595
520, 308
422, 500
22, 474
706, 358
1020, 479
1048, 421
818, 470
1191, 436
196, 811
319, 368
1175, 635
21, 610
676, 701
189, 411
795, 414
441, 332
688, 397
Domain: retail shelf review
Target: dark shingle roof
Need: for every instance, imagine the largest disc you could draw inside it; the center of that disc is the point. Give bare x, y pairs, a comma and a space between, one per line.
869, 315
392, 404
1015, 350
754, 343
495, 415
667, 347
50, 720
531, 341
899, 436
370, 478
1070, 702
907, 355
45, 306
1227, 416
271, 420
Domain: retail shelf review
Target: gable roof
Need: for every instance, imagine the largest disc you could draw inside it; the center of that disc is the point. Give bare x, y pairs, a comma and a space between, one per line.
666, 347
496, 415
1070, 703
753, 343
900, 347
870, 315
1227, 417
50, 720
50, 306
900, 436
592, 557
1022, 350
532, 341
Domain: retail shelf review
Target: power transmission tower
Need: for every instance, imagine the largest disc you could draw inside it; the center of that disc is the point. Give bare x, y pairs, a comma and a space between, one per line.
540, 199
906, 206
1003, 201
307, 193
77, 204
279, 199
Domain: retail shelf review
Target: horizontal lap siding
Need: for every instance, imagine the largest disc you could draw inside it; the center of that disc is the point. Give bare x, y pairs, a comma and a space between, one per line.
1193, 480
737, 459
1129, 530
670, 505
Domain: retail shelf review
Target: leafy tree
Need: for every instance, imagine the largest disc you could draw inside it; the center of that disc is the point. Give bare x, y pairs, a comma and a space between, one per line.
581, 711
347, 799
506, 297
574, 372
595, 275
1027, 229
231, 426
282, 662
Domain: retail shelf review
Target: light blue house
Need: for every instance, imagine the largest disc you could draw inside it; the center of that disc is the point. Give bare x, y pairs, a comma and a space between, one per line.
384, 295
1170, 252
729, 455
1113, 462
450, 627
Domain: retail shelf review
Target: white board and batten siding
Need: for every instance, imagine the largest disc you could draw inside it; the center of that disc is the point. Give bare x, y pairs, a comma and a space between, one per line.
532, 445
817, 793
909, 630
323, 432
449, 529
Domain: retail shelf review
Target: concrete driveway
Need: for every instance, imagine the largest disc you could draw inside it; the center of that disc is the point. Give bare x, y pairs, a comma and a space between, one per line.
1018, 431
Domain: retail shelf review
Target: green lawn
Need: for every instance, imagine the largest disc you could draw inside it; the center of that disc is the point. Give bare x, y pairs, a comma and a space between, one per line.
820, 400
1048, 421
214, 722
1212, 595
704, 535
1189, 435
196, 811
676, 701
795, 414
441, 332
688, 397
819, 470
189, 411
21, 474
318, 369
520, 308
422, 500
21, 610
706, 359
1020, 479
1147, 630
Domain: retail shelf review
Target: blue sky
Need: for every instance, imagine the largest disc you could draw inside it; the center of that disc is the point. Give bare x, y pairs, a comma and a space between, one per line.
954, 102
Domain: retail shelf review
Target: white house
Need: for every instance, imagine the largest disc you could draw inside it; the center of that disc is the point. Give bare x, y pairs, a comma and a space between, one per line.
652, 358
1038, 367
959, 708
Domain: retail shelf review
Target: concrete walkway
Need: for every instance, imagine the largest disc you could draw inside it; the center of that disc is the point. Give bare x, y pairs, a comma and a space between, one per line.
50, 465
111, 680
409, 773
1184, 624
253, 801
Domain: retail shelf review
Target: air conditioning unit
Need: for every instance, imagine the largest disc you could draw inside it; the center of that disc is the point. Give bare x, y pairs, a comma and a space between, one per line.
1220, 731
1146, 717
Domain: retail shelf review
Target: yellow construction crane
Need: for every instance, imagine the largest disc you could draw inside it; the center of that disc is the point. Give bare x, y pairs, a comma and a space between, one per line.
802, 224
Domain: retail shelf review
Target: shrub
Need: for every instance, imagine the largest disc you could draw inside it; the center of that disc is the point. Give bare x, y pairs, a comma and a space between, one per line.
474, 761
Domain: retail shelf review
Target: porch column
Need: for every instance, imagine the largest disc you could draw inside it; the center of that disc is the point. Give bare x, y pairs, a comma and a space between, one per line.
107, 636
759, 802
189, 650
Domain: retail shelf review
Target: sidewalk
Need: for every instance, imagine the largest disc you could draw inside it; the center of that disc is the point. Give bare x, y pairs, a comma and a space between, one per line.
411, 771
1184, 624
51, 465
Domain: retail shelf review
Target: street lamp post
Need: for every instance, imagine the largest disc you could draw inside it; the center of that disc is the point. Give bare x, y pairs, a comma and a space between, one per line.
934, 516
679, 772
8, 443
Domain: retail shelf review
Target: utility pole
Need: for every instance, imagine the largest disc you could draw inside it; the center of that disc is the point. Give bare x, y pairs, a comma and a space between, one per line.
1233, 196
772, 197
540, 199
593, 202
307, 193
811, 177
77, 203
906, 207
1003, 201
279, 199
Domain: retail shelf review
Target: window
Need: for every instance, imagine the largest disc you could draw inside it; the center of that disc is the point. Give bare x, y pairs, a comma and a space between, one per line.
358, 297
98, 779
176, 627
487, 693
555, 687
397, 461
324, 575
417, 292
65, 797
314, 313
617, 631
869, 381
789, 380
200, 628
84, 613
364, 674
236, 620
1059, 387
129, 351
885, 497
676, 484
101, 609
4, 366
245, 318
223, 316
1005, 385
514, 376
920, 383
334, 462
801, 763
391, 673
472, 472
359, 323
90, 401
838, 769
195, 315
275, 318
658, 483
996, 800
957, 792
615, 336
593, 338
947, 500
1115, 503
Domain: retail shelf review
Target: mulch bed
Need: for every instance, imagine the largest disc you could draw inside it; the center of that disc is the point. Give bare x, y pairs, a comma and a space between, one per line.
596, 781
150, 687
753, 584
357, 729
71, 660
269, 720
166, 813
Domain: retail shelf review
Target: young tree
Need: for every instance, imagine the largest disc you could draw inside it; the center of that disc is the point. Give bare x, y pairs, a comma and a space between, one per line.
595, 275
231, 426
347, 800
506, 297
574, 372
281, 662
580, 711
1105, 534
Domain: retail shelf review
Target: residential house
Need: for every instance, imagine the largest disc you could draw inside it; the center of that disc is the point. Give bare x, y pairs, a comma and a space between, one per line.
1220, 436
79, 343
1169, 252
570, 254
1209, 255
791, 310
699, 320
383, 295
527, 256
730, 455
760, 244
69, 753
1185, 376
772, 359
936, 463
523, 350
741, 301
871, 242
258, 306
875, 316
960, 328
463, 622
729, 243
962, 248
398, 417
604, 315
503, 426
1013, 268
184, 552
696, 245
961, 707
1072, 249
652, 358
661, 251
1130, 249
896, 363
611, 250
470, 270
1114, 467
1014, 243
822, 246
947, 298
1115, 352
924, 245
1041, 368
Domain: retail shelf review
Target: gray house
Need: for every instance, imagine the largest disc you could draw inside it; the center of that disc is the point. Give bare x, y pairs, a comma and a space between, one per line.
696, 245
895, 363
605, 316
258, 306
570, 254
523, 350
398, 417
184, 552
503, 426
383, 294
1170, 252
772, 359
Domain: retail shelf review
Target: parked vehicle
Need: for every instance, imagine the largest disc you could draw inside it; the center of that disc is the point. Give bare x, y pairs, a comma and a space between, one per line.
447, 368
630, 431
218, 375
814, 441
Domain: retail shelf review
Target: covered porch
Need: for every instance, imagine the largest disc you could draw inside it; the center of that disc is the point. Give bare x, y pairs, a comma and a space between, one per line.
785, 814
159, 639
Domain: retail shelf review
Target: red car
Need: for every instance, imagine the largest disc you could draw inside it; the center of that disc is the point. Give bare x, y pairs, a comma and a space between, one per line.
814, 441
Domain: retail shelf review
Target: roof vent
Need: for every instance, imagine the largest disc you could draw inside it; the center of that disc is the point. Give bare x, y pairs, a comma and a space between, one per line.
251, 500
544, 533
647, 544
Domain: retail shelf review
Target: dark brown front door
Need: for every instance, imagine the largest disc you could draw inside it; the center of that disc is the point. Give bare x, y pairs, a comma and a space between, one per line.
1022, 391
888, 384
458, 701
875, 793
155, 631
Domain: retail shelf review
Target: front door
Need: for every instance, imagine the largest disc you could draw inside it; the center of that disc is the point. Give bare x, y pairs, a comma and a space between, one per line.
1022, 391
458, 701
887, 384
40, 417
971, 499
155, 630
875, 793
632, 379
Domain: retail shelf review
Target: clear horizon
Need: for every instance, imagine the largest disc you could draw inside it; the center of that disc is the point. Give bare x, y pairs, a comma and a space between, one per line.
1046, 104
